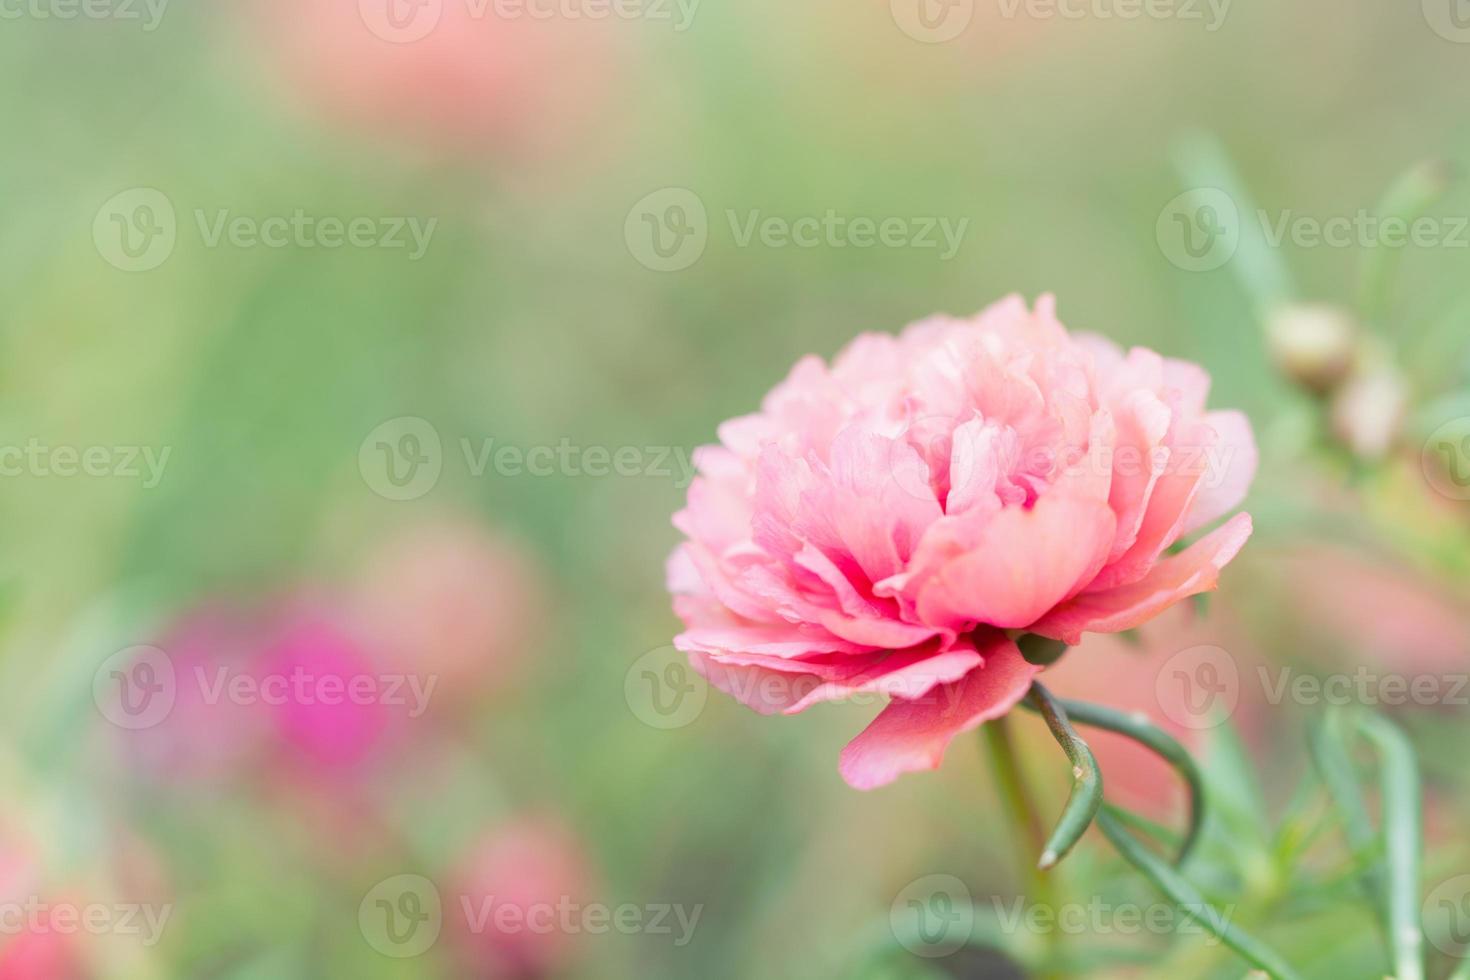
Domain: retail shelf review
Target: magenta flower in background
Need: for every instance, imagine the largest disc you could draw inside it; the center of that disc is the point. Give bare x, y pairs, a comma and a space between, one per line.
319, 664
891, 523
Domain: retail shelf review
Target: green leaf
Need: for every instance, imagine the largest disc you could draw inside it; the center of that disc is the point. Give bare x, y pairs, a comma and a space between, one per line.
1087, 785
1202, 161
1407, 198
1398, 774
1190, 901
1327, 742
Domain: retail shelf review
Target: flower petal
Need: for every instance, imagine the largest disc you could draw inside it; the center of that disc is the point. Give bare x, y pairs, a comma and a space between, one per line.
911, 735
1194, 570
1022, 563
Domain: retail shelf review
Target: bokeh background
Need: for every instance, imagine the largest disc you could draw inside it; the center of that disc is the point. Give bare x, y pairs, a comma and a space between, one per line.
240, 443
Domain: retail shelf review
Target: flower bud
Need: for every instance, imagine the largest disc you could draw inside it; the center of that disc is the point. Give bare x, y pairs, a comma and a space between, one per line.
1313, 344
1368, 412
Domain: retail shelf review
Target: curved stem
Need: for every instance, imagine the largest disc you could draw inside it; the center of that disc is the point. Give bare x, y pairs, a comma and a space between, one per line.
1190, 901
1138, 727
1087, 786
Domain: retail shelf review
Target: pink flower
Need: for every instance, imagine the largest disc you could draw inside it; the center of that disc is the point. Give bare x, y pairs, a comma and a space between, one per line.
205, 736
31, 948
1361, 607
451, 77
323, 691
890, 524
523, 889
451, 599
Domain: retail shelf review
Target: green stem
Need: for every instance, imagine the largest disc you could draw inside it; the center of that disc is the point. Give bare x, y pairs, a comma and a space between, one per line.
1024, 816
1161, 743
1190, 901
1087, 785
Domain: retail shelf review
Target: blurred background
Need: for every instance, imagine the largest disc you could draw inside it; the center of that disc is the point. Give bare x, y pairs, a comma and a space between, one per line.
353, 353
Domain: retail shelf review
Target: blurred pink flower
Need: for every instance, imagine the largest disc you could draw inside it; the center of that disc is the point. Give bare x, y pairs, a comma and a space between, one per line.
1372, 609
454, 76
205, 735
33, 951
890, 523
522, 890
39, 955
332, 715
455, 600
1134, 676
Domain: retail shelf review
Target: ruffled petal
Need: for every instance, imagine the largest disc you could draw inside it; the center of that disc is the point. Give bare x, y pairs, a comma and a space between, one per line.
911, 735
1194, 570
